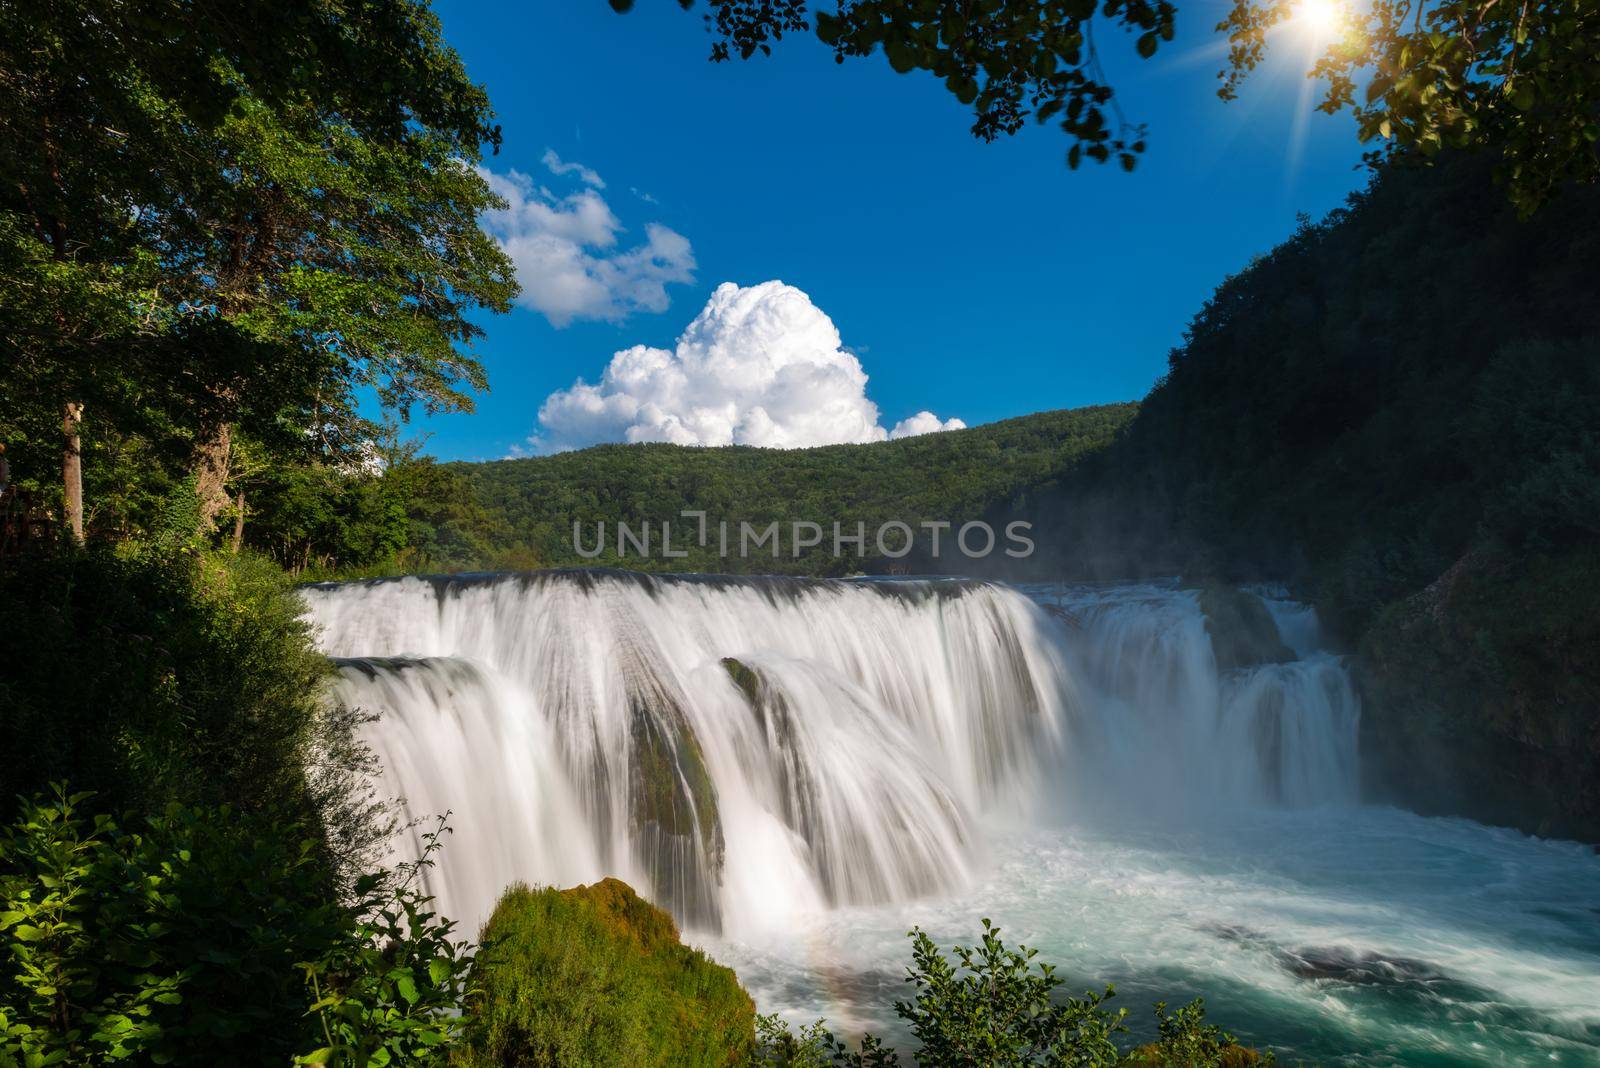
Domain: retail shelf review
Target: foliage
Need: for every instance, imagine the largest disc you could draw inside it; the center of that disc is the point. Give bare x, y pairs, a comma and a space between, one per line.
530, 505
238, 213
992, 1005
397, 512
596, 976
989, 1006
813, 1046
170, 942
1520, 78
149, 676
206, 936
1006, 61
1515, 77
1533, 431
1358, 407
390, 989
1186, 1040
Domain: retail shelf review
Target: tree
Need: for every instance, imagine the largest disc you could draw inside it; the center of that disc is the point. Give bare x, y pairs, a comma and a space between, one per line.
212, 212
1518, 77
1005, 60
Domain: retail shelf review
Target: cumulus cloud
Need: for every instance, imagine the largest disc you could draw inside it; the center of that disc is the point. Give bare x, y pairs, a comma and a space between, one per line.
569, 258
924, 422
760, 365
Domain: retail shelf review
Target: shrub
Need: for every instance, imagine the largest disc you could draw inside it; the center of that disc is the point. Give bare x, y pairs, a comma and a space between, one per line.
389, 989
1187, 1041
993, 1006
595, 975
206, 937
171, 942
149, 676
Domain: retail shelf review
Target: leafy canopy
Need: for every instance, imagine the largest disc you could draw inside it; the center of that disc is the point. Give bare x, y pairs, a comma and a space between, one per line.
218, 212
1006, 61
1520, 77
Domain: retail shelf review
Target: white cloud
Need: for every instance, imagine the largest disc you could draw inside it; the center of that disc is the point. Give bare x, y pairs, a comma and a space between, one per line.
557, 165
924, 422
567, 252
760, 365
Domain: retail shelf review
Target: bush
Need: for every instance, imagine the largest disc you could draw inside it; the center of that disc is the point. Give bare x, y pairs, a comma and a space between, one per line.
389, 989
206, 937
148, 676
171, 942
199, 900
595, 975
993, 1006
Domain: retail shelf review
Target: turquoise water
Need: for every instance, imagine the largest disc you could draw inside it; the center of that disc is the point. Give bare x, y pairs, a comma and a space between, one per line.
1359, 935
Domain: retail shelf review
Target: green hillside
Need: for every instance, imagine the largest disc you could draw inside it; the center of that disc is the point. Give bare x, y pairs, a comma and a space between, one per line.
529, 505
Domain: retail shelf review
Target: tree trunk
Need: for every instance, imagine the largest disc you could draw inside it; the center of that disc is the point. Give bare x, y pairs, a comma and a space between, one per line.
72, 469
238, 521
214, 450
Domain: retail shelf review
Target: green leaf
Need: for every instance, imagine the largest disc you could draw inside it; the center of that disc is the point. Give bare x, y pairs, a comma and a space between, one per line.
901, 58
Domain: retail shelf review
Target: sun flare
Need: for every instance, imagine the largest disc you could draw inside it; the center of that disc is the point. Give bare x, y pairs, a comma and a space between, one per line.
1321, 18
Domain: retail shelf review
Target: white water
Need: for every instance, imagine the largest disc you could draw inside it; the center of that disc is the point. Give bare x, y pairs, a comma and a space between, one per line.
935, 751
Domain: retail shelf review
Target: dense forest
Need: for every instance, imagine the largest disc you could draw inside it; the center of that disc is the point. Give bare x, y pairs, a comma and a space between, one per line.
953, 476
1355, 409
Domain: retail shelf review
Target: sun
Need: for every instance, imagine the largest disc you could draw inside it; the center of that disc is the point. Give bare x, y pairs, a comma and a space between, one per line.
1320, 18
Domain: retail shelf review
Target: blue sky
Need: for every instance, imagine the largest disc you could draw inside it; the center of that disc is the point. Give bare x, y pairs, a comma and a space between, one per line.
974, 281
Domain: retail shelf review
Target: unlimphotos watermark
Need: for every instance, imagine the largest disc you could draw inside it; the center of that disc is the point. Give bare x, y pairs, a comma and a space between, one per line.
894, 539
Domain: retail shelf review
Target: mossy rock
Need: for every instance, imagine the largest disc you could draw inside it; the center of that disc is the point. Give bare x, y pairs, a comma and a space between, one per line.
745, 677
767, 702
677, 828
595, 977
1241, 629
796, 787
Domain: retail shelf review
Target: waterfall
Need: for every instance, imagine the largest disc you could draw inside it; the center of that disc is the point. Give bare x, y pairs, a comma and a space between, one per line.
1172, 733
745, 751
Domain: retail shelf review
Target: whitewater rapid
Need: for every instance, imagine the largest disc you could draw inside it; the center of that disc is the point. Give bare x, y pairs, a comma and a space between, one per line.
800, 769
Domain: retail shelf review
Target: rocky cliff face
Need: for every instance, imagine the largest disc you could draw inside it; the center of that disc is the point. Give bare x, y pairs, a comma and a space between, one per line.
1481, 694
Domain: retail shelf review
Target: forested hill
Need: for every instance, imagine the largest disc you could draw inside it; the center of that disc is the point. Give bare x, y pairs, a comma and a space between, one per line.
528, 506
1398, 411
1358, 408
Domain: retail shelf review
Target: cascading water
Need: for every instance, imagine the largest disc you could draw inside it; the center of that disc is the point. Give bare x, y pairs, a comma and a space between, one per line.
801, 770
749, 750
1173, 732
